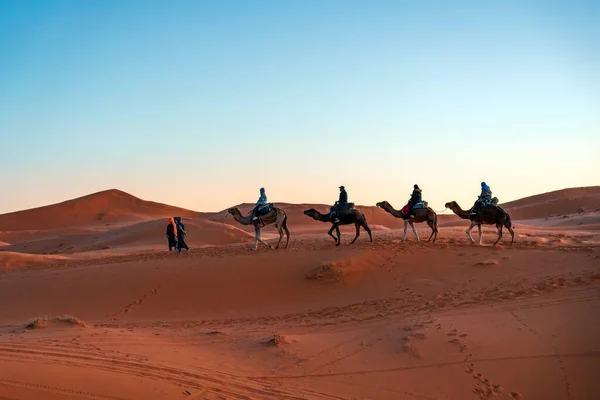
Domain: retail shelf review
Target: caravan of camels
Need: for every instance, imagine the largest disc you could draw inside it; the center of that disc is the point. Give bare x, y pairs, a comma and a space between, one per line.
485, 211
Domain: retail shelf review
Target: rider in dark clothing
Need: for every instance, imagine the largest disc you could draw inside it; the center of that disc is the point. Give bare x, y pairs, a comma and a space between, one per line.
342, 201
415, 198
262, 201
484, 198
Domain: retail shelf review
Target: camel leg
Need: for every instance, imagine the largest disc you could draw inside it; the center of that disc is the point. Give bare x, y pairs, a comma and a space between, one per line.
280, 230
480, 235
339, 235
415, 231
512, 234
357, 225
499, 234
287, 234
469, 231
432, 231
258, 239
405, 227
366, 227
331, 234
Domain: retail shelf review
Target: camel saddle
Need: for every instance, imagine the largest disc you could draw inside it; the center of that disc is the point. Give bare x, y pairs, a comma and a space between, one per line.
489, 202
421, 204
262, 212
345, 207
493, 202
264, 209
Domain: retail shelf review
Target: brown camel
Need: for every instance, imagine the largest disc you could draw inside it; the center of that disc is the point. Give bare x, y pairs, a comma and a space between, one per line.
486, 215
276, 216
421, 215
352, 216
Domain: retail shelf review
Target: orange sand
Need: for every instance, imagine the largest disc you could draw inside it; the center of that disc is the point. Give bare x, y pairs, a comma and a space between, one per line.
380, 320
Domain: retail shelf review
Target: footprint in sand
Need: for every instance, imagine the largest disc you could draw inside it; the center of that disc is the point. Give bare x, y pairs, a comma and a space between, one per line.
515, 395
454, 341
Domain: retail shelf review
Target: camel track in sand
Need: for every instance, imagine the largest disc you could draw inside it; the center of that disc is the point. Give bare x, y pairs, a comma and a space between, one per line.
583, 287
57, 390
201, 379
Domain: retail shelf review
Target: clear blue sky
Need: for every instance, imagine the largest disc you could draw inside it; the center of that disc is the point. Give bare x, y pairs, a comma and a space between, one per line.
200, 103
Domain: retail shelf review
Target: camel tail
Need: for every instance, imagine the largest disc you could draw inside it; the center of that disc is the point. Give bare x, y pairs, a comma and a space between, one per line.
284, 222
508, 222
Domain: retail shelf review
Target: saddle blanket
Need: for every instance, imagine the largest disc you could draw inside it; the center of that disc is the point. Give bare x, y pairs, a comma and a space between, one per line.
406, 208
264, 209
421, 204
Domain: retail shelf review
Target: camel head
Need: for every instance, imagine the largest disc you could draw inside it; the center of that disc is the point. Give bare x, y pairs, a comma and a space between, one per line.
312, 213
233, 211
383, 204
451, 205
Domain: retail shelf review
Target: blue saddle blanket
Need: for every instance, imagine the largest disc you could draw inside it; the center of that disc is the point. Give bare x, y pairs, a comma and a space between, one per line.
264, 209
421, 204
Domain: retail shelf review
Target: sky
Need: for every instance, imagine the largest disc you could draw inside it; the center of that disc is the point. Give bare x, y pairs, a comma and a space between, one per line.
198, 104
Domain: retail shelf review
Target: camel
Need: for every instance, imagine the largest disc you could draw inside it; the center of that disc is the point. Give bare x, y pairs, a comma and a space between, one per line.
421, 215
276, 216
352, 216
487, 215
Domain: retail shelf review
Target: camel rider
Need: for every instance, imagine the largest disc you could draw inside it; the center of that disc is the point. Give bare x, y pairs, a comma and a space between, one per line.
342, 201
484, 198
262, 201
416, 197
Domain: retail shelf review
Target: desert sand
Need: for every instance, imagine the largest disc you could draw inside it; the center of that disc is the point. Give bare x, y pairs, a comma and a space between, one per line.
94, 306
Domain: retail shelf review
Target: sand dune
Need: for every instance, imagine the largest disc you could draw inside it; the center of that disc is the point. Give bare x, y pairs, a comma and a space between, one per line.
557, 203
143, 235
224, 322
111, 314
11, 260
107, 207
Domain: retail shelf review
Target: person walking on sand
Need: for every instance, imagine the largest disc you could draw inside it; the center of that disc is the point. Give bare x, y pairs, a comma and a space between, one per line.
181, 244
172, 234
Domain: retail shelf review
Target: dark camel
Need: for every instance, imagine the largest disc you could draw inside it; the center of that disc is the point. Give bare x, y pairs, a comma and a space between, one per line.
352, 216
276, 216
421, 215
486, 215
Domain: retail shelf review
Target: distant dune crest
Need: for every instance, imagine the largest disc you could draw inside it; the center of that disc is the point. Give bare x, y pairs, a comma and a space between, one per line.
109, 206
